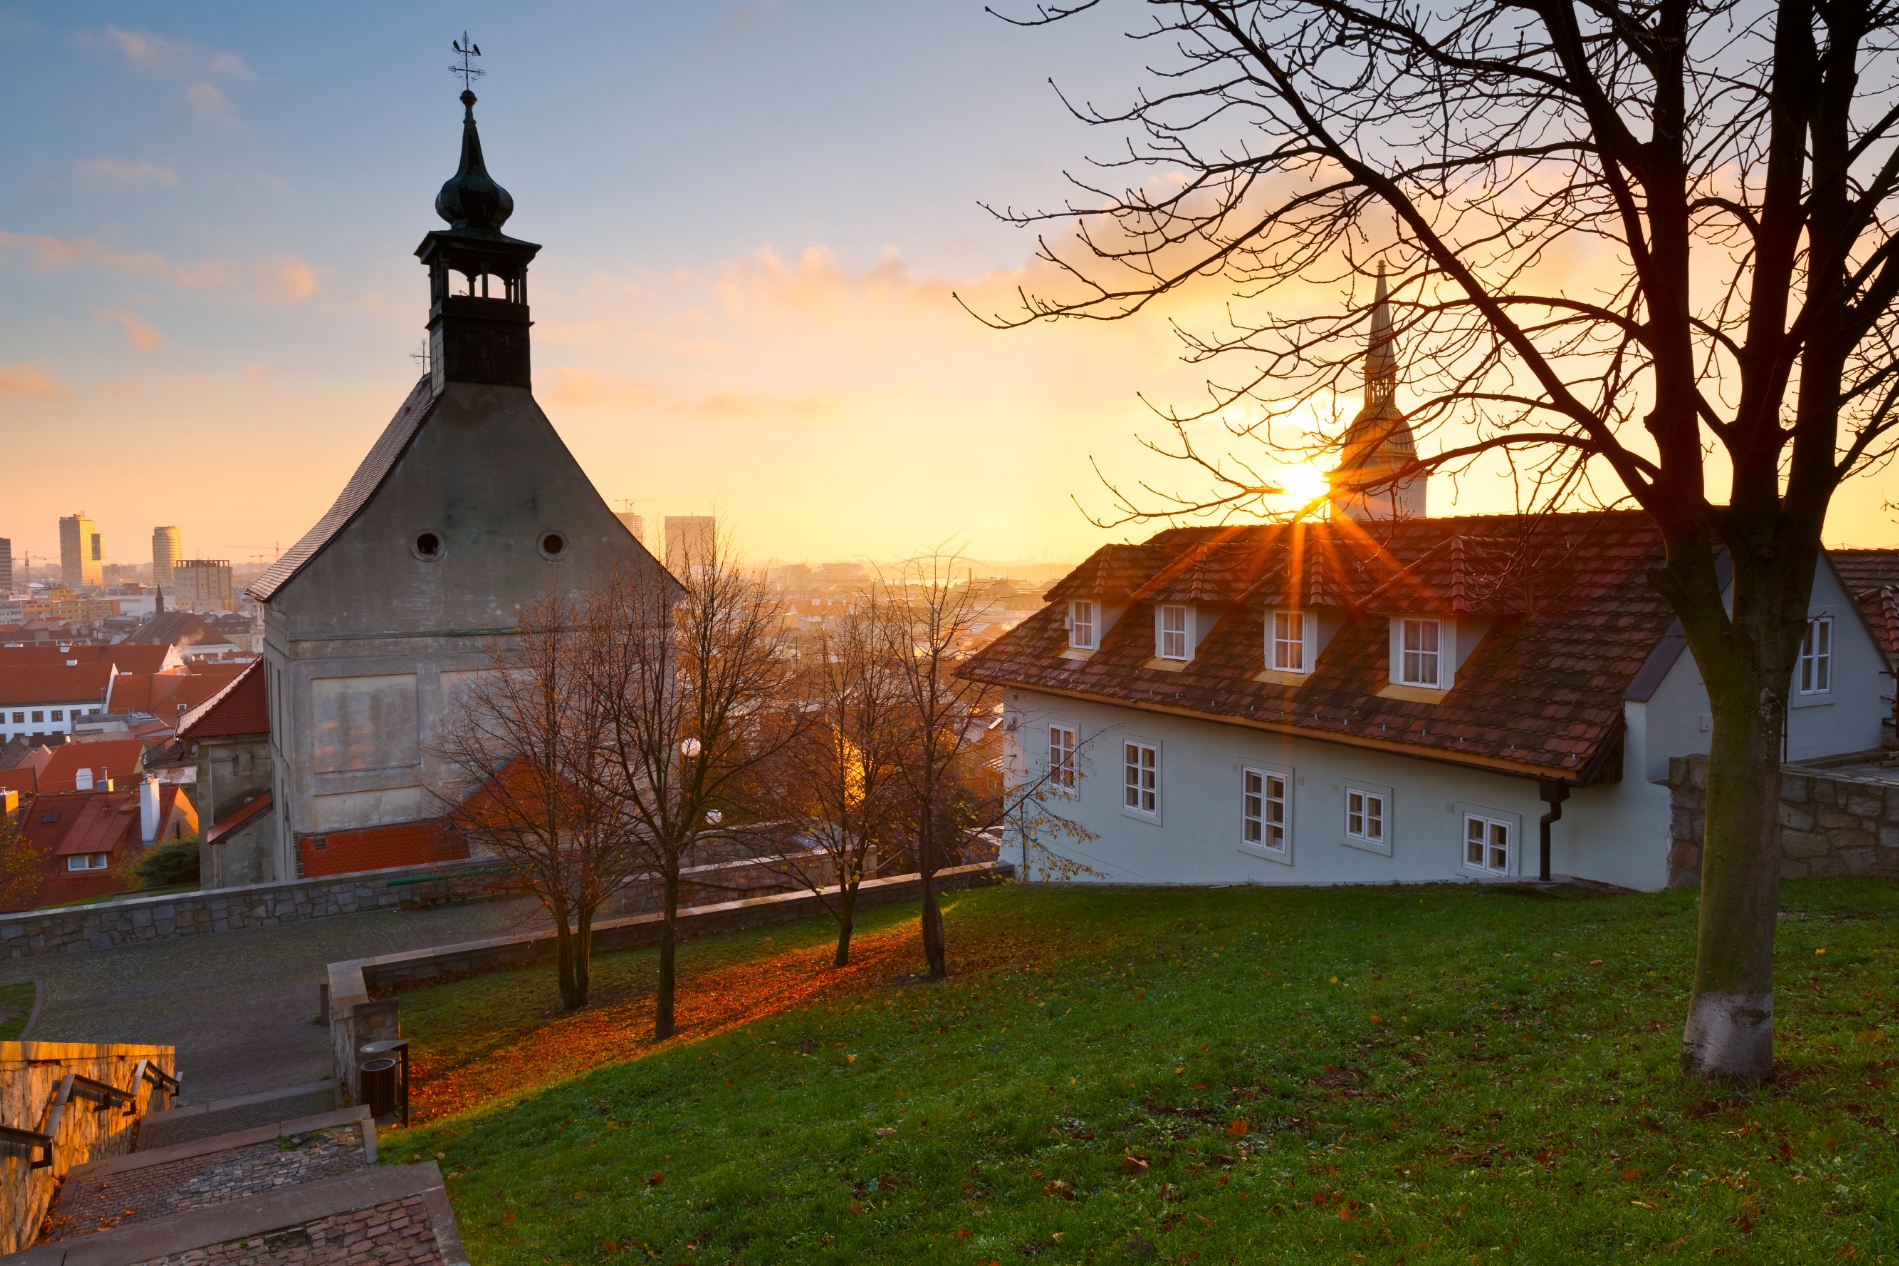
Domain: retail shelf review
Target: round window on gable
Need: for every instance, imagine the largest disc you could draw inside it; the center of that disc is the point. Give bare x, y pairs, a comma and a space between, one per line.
553, 545
428, 545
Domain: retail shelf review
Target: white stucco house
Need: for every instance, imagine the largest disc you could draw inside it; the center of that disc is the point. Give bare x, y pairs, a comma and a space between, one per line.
1385, 696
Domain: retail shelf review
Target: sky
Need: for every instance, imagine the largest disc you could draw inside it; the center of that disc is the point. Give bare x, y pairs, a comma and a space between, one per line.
755, 217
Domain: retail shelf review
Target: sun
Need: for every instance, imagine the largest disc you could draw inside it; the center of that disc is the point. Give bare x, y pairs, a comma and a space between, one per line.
1304, 483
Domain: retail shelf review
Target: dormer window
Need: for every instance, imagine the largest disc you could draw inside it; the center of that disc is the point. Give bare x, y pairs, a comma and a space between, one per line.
1081, 625
1421, 662
1172, 629
1287, 651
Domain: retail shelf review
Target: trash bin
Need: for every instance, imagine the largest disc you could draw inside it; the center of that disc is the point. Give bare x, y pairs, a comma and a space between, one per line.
379, 1086
398, 1050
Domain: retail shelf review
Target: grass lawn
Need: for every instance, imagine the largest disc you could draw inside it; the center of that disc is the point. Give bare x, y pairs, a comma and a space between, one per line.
16, 1008
1435, 1075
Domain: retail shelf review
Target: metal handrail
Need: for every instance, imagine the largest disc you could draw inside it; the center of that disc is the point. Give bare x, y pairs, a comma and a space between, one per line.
98, 1093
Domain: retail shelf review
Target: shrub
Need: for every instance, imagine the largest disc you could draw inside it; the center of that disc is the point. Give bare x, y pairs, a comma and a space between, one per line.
163, 865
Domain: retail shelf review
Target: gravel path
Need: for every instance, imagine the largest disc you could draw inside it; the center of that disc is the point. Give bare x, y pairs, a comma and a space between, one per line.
241, 1006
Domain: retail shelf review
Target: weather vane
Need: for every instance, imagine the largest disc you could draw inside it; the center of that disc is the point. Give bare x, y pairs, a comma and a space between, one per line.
467, 70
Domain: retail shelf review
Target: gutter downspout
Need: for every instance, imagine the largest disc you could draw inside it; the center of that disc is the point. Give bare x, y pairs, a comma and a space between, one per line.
1553, 792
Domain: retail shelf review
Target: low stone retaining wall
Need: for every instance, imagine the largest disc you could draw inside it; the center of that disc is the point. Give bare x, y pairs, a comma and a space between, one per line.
357, 1016
32, 933
727, 881
30, 1072
1830, 824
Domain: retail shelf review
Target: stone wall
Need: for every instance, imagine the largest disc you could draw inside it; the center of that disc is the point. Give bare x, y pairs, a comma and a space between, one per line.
32, 933
357, 1015
1830, 824
30, 1073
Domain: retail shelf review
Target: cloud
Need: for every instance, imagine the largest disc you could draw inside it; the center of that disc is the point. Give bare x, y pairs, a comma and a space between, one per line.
285, 279
589, 388
26, 378
124, 174
177, 57
210, 104
142, 333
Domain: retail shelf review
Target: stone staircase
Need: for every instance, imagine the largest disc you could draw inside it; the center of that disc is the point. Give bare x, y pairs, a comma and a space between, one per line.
254, 1179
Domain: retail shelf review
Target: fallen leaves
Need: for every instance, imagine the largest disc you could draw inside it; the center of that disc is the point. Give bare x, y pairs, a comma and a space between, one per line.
1132, 1164
1237, 1130
885, 1131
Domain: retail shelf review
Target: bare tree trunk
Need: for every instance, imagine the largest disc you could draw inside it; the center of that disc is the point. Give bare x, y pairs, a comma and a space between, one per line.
572, 996
1730, 1029
933, 948
663, 1026
583, 955
846, 920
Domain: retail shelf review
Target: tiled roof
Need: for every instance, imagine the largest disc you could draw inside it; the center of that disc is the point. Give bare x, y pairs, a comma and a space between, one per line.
126, 658
81, 821
239, 708
118, 759
238, 817
1574, 619
1864, 569
356, 493
159, 694
37, 684
1881, 608
380, 847
172, 628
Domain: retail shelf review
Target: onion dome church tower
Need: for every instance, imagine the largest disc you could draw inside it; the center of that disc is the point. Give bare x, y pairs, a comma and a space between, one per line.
1379, 442
466, 510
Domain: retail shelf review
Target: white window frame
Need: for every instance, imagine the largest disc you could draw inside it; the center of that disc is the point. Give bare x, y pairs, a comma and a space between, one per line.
1813, 675
1062, 773
1082, 625
1140, 779
1262, 788
88, 861
1289, 642
1165, 647
1485, 846
1433, 657
1366, 816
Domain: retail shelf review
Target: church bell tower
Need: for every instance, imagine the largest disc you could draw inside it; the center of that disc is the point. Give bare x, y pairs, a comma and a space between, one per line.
478, 310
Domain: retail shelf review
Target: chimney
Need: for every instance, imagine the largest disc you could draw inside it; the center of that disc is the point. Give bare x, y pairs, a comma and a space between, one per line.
148, 822
83, 779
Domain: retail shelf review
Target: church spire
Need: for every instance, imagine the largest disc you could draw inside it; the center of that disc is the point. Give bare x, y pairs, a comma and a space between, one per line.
470, 199
1379, 442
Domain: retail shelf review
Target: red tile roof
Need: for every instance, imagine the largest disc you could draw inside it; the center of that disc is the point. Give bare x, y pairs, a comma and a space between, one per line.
238, 817
33, 685
362, 485
118, 759
128, 659
239, 708
160, 693
1864, 569
379, 847
1575, 617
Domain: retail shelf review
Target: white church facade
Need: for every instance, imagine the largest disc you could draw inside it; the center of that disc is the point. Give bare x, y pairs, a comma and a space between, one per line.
1385, 696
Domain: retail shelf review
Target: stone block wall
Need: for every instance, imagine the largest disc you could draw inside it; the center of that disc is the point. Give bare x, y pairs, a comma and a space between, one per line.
1830, 824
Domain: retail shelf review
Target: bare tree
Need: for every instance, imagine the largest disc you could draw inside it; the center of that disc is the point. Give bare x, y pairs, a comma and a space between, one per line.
525, 738
692, 686
1720, 179
839, 787
929, 620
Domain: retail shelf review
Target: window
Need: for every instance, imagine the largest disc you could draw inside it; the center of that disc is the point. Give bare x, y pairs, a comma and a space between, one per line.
553, 545
1263, 809
59, 714
1816, 656
1173, 631
1289, 641
1141, 779
1061, 758
39, 716
19, 718
87, 861
1081, 625
1420, 665
1487, 844
1365, 816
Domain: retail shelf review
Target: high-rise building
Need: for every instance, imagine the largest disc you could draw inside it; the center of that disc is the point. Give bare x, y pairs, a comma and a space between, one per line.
167, 549
6, 566
201, 584
691, 541
81, 552
634, 524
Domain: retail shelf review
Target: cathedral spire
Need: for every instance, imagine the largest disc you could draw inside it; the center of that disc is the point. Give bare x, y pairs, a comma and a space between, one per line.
1379, 442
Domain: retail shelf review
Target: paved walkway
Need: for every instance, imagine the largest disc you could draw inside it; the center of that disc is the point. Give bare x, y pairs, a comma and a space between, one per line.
240, 1007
